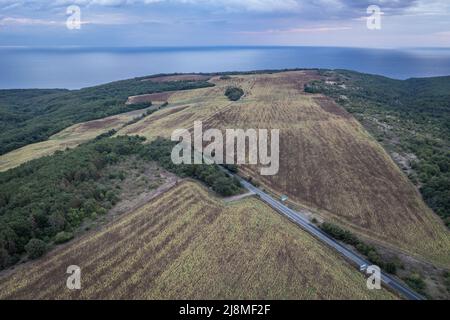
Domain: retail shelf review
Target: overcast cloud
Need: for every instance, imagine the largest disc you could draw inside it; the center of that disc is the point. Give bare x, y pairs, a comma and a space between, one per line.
225, 22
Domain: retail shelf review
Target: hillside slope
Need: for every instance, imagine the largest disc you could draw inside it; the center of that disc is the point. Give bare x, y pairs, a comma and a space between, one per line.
328, 161
188, 244
68, 138
30, 116
410, 118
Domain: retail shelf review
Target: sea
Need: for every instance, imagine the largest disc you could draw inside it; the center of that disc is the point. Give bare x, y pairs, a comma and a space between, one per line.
78, 67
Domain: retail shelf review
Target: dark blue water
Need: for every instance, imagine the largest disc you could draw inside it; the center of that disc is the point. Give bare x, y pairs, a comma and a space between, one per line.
81, 67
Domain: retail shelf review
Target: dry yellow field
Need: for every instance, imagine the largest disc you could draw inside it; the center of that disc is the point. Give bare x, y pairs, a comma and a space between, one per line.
185, 108
188, 244
328, 161
68, 138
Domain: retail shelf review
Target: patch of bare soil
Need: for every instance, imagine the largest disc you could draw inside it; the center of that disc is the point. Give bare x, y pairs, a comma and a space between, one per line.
143, 182
330, 106
131, 202
98, 124
239, 197
145, 98
404, 161
153, 118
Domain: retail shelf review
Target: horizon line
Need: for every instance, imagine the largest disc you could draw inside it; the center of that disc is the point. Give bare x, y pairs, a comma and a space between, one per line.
213, 46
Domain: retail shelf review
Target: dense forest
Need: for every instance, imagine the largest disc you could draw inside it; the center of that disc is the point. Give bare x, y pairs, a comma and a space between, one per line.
410, 118
44, 201
32, 115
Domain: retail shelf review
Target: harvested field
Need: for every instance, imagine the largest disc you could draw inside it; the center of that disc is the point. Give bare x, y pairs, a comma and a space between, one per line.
328, 162
330, 106
68, 138
187, 244
185, 108
146, 98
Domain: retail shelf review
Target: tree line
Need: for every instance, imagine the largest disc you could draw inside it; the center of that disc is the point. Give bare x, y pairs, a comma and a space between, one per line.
44, 201
32, 115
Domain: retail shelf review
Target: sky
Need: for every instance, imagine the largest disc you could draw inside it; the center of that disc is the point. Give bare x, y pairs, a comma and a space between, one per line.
160, 23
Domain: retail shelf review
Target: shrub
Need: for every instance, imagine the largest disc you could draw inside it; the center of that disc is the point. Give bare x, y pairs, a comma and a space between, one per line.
231, 167
112, 197
390, 267
447, 280
234, 93
141, 105
416, 282
35, 248
63, 236
4, 258
369, 251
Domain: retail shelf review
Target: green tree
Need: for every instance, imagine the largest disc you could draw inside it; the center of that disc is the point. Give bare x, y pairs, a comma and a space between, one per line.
234, 93
63, 236
35, 248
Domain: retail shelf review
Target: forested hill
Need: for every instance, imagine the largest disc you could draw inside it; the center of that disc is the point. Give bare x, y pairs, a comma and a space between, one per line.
425, 101
29, 116
411, 118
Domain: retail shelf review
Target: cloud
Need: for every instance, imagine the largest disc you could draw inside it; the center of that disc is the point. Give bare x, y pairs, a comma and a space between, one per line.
249, 5
319, 29
7, 21
169, 22
240, 5
443, 33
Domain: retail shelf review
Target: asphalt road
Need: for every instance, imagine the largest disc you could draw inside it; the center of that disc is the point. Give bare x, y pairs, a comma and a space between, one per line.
305, 224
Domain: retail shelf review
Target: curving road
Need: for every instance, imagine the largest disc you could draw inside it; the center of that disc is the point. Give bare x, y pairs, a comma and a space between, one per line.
305, 224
